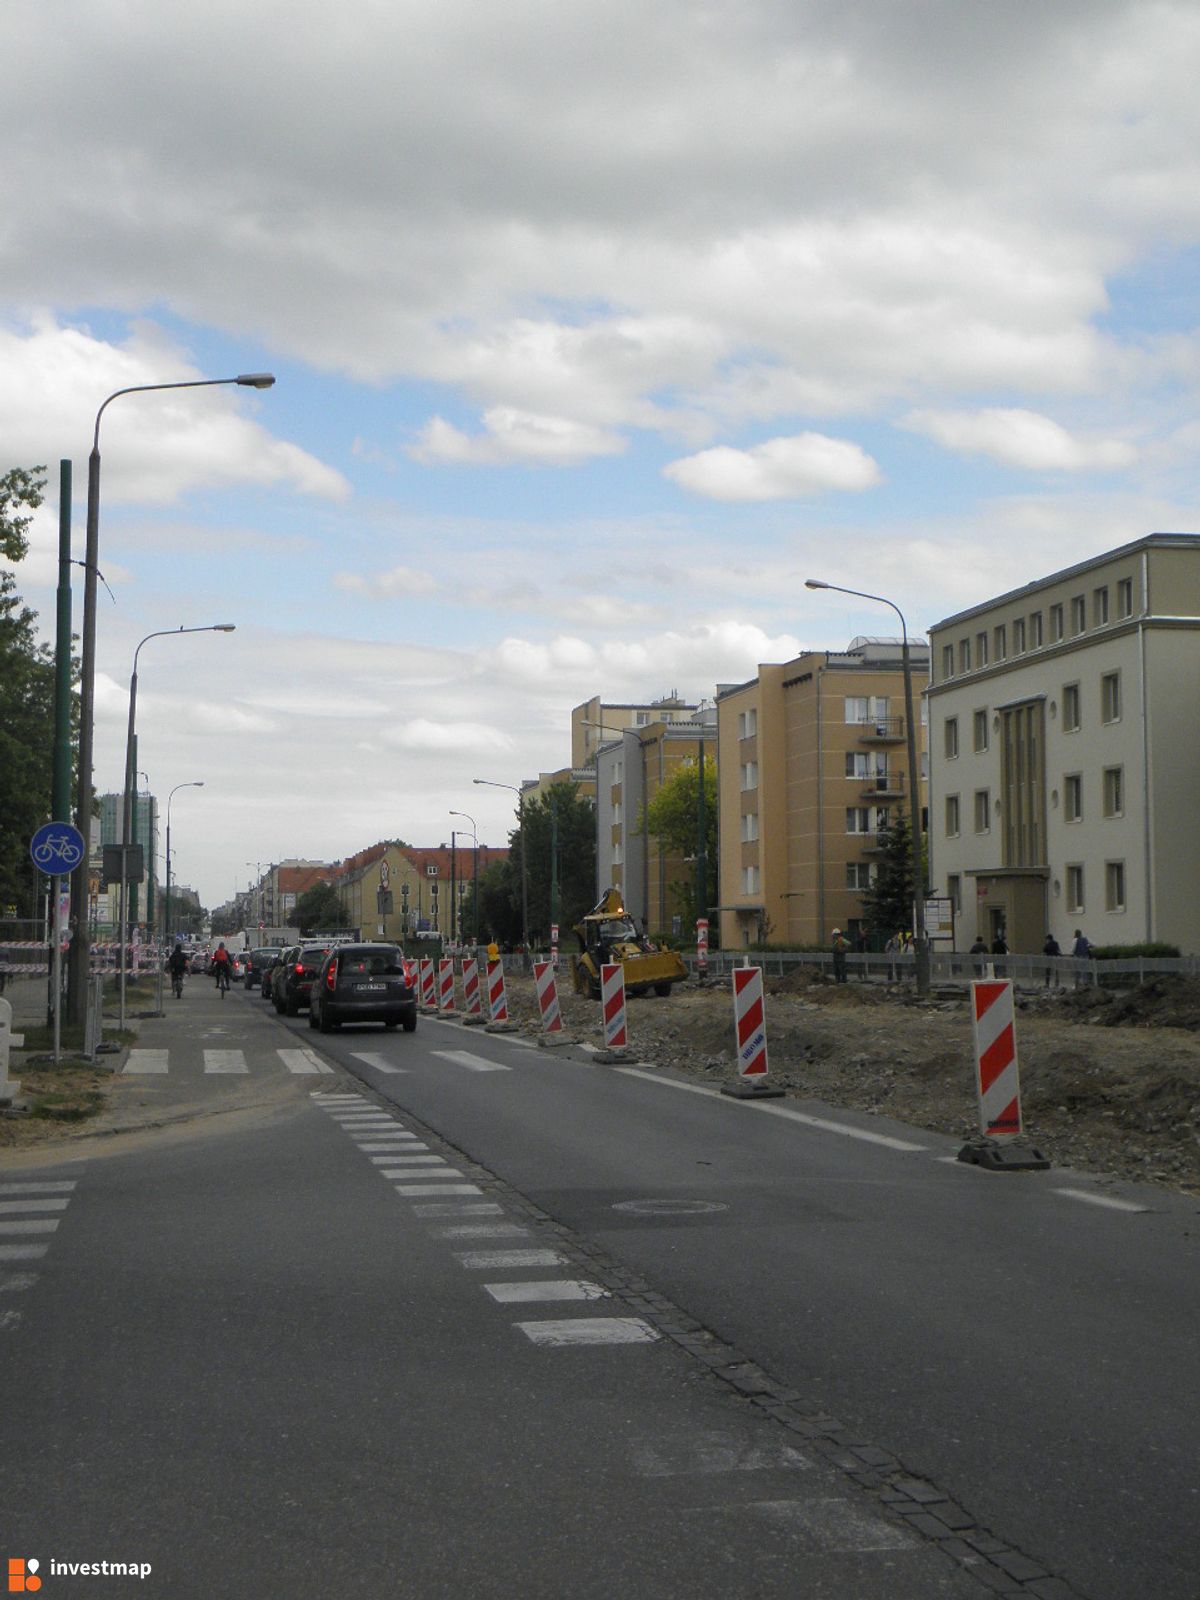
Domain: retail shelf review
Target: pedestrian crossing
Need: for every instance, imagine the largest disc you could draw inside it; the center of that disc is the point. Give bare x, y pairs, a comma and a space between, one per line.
30, 1213
445, 1196
223, 1063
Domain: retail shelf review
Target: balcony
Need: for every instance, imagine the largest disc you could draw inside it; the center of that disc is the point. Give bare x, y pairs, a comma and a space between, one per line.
880, 730
872, 843
883, 786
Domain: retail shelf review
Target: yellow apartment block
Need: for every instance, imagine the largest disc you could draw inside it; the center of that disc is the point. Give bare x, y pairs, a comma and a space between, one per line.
812, 763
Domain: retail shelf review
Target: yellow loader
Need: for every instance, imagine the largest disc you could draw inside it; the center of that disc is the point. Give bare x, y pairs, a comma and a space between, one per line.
609, 934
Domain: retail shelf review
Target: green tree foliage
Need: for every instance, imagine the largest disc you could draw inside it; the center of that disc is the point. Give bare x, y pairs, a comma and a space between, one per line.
499, 901
570, 818
320, 908
888, 903
26, 703
673, 818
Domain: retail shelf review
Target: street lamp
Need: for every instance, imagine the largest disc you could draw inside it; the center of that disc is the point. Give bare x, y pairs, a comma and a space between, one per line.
197, 783
258, 888
130, 784
918, 876
78, 971
474, 866
520, 794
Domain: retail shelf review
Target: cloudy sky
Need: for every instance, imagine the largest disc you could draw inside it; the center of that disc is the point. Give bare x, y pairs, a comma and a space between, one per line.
598, 326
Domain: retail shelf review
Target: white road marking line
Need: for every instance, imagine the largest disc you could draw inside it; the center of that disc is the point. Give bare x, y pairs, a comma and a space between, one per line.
411, 1173
13, 1282
225, 1061
30, 1225
382, 1161
1108, 1201
589, 1330
325, 1097
460, 1208
711, 1453
10, 1207
9, 1320
834, 1527
22, 1252
420, 1167
823, 1123
372, 1058
407, 1157
302, 1061
37, 1188
546, 1289
464, 1058
391, 1144
141, 1061
439, 1188
489, 1260
480, 1230
358, 1119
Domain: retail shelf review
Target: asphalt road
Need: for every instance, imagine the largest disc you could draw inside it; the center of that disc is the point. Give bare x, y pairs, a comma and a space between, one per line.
258, 1343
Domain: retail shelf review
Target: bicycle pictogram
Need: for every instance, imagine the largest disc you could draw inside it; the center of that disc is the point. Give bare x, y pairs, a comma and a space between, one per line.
59, 847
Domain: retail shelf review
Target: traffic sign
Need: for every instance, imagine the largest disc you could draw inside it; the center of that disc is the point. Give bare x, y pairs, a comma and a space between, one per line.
56, 849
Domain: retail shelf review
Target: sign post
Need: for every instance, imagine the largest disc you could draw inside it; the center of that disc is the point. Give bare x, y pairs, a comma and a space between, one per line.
57, 849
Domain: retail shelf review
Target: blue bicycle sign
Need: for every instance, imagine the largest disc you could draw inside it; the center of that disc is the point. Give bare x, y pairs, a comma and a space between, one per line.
56, 849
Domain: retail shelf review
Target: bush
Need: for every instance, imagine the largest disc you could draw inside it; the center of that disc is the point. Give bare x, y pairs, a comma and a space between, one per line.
1131, 952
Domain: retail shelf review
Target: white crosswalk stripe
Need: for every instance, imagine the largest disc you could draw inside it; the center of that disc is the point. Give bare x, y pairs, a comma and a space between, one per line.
37, 1188
411, 1190
372, 1058
302, 1061
225, 1061
589, 1330
9, 1208
473, 1063
145, 1061
546, 1289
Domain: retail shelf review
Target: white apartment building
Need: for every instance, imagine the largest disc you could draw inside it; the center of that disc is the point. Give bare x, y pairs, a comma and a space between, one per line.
1065, 767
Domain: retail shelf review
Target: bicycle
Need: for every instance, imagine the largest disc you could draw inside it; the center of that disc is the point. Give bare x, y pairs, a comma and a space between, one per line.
223, 980
177, 984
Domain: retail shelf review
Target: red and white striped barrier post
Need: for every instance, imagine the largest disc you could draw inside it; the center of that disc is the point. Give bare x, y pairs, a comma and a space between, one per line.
446, 986
554, 945
498, 1000
750, 1026
701, 949
612, 1009
412, 976
547, 998
472, 1001
997, 1082
428, 984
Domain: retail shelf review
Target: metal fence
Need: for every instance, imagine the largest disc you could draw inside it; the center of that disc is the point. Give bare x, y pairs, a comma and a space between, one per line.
958, 968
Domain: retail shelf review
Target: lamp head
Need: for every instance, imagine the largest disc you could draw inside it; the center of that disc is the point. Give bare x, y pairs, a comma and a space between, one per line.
224, 627
815, 583
255, 380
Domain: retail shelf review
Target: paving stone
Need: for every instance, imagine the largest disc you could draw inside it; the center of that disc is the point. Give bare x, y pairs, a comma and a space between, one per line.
953, 1516
1051, 1589
1019, 1566
929, 1526
872, 1456
918, 1489
986, 1543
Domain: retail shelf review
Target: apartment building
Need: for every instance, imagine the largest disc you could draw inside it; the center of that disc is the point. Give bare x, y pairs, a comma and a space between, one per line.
812, 766
629, 771
1065, 761
395, 891
597, 720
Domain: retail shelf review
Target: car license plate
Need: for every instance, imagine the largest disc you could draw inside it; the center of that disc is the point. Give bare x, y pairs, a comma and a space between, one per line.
370, 988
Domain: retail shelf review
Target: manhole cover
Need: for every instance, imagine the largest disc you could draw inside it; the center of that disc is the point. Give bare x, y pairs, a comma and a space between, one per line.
669, 1208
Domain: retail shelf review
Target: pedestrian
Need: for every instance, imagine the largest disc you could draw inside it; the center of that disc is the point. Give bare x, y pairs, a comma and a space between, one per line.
1081, 950
1051, 950
892, 949
839, 956
979, 949
999, 943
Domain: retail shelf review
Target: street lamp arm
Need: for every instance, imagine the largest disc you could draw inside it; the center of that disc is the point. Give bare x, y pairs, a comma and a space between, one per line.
247, 380
859, 594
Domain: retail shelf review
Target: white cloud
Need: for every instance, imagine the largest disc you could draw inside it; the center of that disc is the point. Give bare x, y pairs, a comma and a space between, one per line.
779, 469
385, 585
514, 437
421, 734
1019, 438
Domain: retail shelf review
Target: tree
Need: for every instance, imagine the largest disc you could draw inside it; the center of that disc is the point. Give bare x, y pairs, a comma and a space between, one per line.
565, 816
499, 901
320, 907
888, 903
673, 818
26, 703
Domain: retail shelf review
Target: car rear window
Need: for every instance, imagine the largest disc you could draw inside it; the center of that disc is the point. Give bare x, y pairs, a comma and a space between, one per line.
371, 963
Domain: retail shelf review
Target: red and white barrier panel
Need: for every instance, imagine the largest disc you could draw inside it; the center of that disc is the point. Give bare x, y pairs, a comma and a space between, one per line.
428, 984
612, 1003
547, 995
497, 995
702, 946
412, 976
446, 985
472, 1002
750, 1025
998, 1084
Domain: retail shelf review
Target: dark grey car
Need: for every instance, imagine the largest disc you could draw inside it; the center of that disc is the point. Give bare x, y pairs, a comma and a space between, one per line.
362, 983
259, 962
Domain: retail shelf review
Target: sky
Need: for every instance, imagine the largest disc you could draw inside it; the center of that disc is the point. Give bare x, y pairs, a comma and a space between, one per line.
597, 326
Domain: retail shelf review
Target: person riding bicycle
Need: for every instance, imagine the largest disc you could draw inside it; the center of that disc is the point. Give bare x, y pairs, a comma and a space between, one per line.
222, 965
177, 965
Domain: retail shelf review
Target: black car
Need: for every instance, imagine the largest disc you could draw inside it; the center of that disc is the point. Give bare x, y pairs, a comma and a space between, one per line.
293, 974
362, 983
259, 962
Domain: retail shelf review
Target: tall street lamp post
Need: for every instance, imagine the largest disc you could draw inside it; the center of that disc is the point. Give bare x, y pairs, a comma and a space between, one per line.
520, 794
474, 866
921, 953
196, 783
130, 795
79, 959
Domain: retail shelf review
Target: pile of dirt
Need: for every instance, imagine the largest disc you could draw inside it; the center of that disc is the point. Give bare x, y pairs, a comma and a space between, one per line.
1110, 1083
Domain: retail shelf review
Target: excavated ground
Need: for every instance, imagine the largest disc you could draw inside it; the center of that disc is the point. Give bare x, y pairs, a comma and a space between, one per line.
1110, 1083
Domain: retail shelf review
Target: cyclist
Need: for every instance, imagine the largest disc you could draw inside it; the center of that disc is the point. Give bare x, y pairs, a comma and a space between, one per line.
222, 966
177, 964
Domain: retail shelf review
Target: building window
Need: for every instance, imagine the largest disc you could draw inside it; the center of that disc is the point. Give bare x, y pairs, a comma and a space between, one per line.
618, 854
1110, 697
954, 892
1125, 597
1073, 797
964, 654
1074, 889
750, 880
1019, 636
1078, 615
858, 819
1100, 607
642, 719
1035, 630
981, 650
749, 827
858, 708
983, 811
947, 661
1114, 886
980, 724
858, 875
431, 869
1070, 708
1023, 784
1000, 643
952, 816
950, 731
1114, 791
749, 775
1056, 624
747, 724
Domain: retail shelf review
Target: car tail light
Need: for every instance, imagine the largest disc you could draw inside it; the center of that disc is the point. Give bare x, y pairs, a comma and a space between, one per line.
331, 978
299, 969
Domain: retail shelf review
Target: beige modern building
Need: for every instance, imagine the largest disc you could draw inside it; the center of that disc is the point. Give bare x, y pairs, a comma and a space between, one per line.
812, 765
1064, 753
597, 720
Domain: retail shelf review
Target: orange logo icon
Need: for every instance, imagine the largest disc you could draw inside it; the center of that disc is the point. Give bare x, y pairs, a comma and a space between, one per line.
22, 1576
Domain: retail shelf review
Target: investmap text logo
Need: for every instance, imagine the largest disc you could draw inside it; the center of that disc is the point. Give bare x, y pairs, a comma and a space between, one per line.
22, 1575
